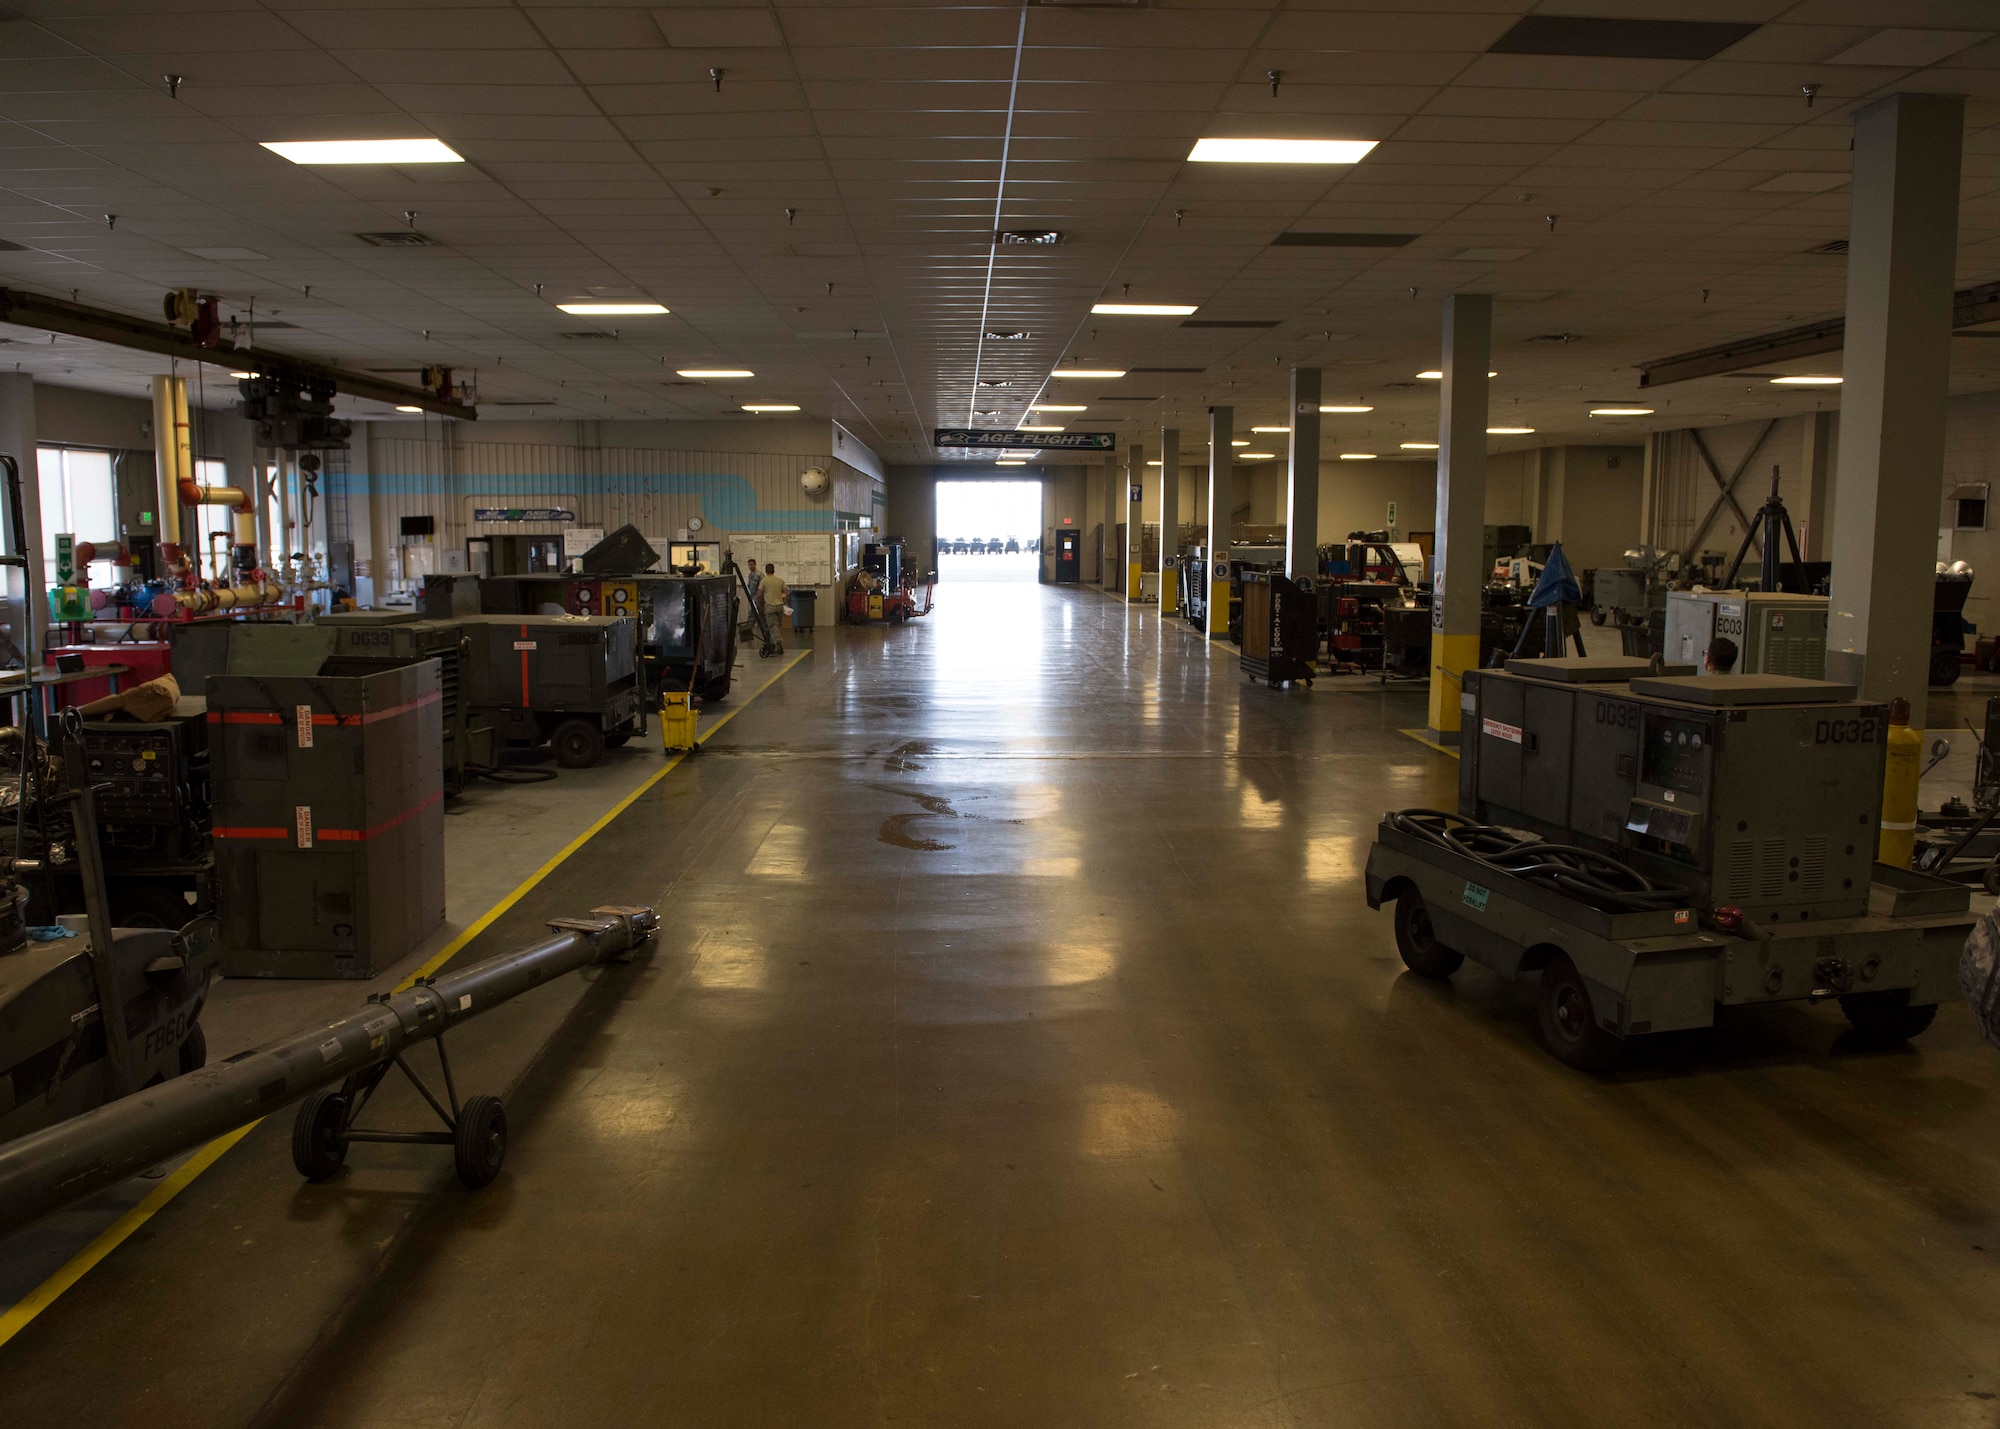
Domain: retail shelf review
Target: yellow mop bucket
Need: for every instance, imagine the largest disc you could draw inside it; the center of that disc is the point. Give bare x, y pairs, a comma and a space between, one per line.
676, 721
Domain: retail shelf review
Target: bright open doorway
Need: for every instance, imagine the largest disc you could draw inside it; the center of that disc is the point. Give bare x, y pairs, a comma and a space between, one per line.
988, 530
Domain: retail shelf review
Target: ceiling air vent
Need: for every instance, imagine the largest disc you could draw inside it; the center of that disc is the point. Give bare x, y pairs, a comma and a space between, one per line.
1837, 248
1341, 240
1037, 237
1602, 37
399, 238
1554, 337
1008, 336
591, 336
1229, 322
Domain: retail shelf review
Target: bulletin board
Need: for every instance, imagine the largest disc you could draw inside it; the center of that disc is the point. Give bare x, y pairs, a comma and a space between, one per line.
802, 560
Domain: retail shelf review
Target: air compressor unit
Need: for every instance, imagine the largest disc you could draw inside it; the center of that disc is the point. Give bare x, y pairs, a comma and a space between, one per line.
568, 681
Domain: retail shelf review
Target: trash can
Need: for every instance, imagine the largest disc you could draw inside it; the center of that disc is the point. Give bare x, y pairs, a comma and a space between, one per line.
803, 601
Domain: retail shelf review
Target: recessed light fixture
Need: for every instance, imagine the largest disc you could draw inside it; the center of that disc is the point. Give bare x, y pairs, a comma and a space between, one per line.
1010, 461
242, 376
1347, 409
1256, 456
1152, 463
770, 406
364, 151
1144, 310
1280, 151
1357, 456
1271, 431
1056, 407
1439, 376
1420, 446
611, 310
1017, 456
1621, 411
714, 372
1508, 431
1037, 429
1039, 237
1090, 372
1805, 381
1009, 336
405, 408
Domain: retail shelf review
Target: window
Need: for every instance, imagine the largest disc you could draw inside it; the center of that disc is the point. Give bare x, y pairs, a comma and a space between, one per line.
1968, 502
79, 496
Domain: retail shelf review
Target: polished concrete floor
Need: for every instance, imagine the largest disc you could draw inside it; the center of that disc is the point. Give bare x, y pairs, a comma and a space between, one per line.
1019, 1050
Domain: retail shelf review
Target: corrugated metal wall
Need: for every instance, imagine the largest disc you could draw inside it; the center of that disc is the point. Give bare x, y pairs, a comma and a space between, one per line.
447, 479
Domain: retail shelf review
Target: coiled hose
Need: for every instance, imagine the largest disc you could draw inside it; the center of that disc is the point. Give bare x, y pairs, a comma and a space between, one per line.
1570, 869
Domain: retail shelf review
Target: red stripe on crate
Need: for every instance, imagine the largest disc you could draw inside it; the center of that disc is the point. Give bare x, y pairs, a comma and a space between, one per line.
371, 717
333, 835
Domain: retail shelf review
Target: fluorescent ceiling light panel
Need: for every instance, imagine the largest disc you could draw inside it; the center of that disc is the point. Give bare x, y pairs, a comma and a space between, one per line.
1009, 461
1037, 429
1621, 411
409, 409
1508, 431
1152, 463
1256, 456
1090, 372
242, 376
1357, 456
770, 406
714, 372
1420, 446
1439, 376
1239, 441
1801, 183
1056, 407
364, 151
1280, 151
1145, 310
1909, 49
612, 310
1347, 409
1805, 381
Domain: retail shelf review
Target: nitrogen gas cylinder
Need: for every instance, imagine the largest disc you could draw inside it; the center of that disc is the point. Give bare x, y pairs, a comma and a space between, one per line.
1899, 788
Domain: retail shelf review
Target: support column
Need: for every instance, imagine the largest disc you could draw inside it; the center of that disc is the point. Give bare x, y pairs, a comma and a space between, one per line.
1816, 462
1461, 505
1221, 502
1170, 517
1107, 574
1135, 514
17, 439
1302, 488
1900, 260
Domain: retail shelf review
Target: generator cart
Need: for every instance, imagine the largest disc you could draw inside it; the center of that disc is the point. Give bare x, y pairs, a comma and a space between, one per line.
1654, 847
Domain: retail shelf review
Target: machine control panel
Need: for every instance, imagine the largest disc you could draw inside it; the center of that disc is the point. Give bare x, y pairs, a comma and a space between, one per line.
147, 769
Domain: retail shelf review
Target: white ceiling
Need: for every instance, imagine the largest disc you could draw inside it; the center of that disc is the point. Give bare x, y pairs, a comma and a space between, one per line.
603, 162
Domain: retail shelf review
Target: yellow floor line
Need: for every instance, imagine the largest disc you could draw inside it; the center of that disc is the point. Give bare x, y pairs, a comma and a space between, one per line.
1423, 738
16, 1319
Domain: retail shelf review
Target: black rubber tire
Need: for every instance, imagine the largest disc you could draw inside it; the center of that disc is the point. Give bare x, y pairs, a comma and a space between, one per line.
194, 1050
1990, 879
480, 1144
578, 744
1945, 667
146, 904
1569, 1023
318, 1149
1887, 1016
618, 740
1422, 953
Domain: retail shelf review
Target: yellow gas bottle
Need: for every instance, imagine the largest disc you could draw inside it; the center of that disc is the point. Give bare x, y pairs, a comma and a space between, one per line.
1899, 789
676, 721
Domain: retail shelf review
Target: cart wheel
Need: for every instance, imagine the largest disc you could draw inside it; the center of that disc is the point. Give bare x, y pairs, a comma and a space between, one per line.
1887, 1016
151, 905
1990, 879
578, 744
1569, 1025
194, 1050
318, 1148
1944, 667
480, 1142
617, 741
1417, 941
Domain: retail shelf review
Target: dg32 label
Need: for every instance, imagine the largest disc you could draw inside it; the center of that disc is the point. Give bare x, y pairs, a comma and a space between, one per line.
1863, 730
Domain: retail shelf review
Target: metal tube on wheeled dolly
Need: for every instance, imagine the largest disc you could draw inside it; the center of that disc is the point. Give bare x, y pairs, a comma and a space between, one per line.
50, 1168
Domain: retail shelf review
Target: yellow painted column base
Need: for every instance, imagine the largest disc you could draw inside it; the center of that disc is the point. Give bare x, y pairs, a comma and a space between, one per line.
1218, 610
1170, 590
1451, 657
1134, 578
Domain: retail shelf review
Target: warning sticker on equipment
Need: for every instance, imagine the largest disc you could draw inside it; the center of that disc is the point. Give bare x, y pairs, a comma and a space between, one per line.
329, 1050
524, 644
1509, 732
304, 714
1475, 897
304, 815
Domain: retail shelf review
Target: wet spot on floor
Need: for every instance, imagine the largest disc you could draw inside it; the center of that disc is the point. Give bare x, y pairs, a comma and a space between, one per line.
895, 830
903, 759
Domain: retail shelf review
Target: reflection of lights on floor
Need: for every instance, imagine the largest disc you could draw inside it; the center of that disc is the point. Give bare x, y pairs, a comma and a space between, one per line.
782, 854
619, 1106
737, 966
1127, 1121
1052, 867
1259, 812
1334, 858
